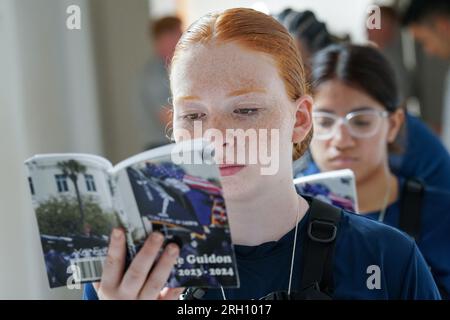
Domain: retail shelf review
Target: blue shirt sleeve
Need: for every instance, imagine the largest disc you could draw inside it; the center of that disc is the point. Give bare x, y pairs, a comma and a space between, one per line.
89, 292
402, 270
432, 166
418, 283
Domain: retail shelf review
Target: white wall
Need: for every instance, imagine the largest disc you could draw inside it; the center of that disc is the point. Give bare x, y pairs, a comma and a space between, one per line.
122, 48
342, 17
48, 103
162, 8
42, 172
60, 91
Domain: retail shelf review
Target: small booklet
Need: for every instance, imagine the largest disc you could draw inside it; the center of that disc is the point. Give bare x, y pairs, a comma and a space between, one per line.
334, 187
174, 189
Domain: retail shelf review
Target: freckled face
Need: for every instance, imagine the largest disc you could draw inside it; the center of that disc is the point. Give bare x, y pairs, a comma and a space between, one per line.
225, 86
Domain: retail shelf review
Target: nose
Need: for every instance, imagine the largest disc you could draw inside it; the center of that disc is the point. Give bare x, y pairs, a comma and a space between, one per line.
342, 139
217, 131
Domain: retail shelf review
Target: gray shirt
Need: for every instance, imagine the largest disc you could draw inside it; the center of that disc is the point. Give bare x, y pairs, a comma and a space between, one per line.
154, 94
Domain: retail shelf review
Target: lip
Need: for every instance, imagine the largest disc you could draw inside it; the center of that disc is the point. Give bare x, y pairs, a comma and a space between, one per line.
343, 161
229, 170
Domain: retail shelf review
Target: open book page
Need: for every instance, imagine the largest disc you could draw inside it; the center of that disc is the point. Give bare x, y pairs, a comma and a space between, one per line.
73, 203
334, 187
184, 202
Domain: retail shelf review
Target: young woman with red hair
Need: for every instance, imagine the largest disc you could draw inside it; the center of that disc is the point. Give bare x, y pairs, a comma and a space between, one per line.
240, 69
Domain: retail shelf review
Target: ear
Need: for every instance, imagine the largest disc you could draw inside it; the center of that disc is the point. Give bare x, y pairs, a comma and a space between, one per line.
396, 120
303, 118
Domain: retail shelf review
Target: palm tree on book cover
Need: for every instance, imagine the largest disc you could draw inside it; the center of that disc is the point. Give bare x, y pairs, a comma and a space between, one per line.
72, 169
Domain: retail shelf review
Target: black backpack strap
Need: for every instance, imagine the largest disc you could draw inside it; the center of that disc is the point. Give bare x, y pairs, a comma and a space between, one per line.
318, 254
193, 293
411, 207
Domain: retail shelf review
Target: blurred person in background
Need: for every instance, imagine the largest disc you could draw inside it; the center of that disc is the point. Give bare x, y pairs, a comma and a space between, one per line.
388, 40
154, 91
310, 36
433, 166
429, 23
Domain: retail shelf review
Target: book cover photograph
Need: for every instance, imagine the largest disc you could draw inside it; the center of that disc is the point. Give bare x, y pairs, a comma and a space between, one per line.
78, 199
337, 188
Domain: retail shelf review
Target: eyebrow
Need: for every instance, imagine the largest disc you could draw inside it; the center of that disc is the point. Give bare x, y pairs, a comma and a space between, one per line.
234, 93
325, 109
241, 92
188, 98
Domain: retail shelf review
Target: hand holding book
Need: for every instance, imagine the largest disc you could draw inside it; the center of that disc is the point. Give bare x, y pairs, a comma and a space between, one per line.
79, 199
138, 282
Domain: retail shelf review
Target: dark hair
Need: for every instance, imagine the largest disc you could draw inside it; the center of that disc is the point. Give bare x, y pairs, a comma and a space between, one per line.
361, 67
419, 10
164, 25
305, 27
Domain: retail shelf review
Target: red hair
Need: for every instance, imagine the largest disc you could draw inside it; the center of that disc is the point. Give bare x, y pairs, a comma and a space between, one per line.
259, 32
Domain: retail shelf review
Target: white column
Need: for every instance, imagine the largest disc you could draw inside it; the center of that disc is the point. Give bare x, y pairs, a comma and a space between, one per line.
48, 103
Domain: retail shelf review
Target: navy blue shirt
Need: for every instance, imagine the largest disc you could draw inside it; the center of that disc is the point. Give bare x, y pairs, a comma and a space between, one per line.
434, 236
360, 243
425, 156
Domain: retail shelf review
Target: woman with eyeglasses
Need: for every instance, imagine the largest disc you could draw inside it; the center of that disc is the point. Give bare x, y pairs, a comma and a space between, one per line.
357, 120
240, 69
433, 167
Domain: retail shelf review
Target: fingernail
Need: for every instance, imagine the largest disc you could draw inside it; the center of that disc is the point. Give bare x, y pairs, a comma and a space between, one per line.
117, 234
156, 237
172, 249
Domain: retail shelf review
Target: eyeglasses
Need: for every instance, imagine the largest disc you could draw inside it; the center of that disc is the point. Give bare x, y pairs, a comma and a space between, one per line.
360, 124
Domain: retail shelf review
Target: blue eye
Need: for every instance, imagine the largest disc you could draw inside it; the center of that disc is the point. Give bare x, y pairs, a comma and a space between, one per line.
193, 116
246, 111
